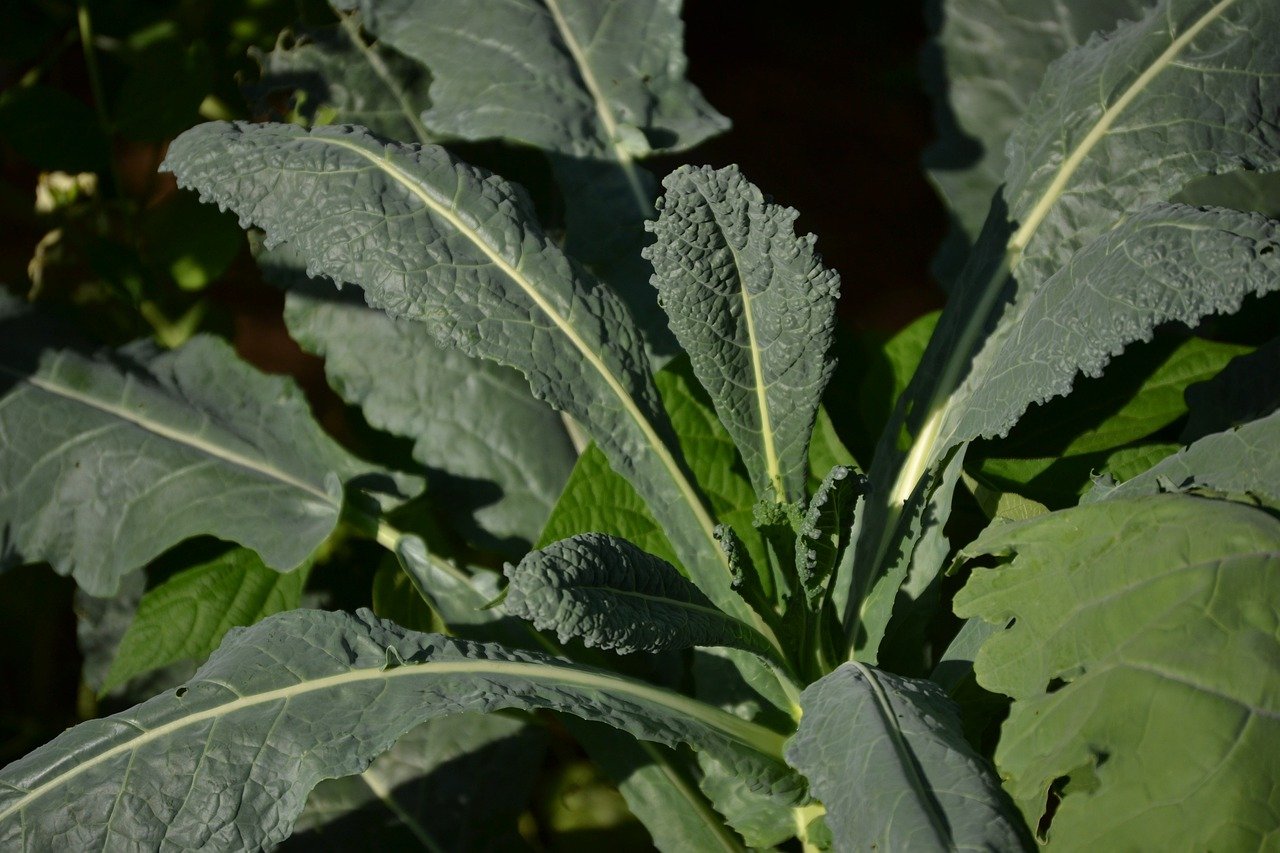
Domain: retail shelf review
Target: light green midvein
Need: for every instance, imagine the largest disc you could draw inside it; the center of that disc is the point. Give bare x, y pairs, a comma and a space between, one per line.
762, 393
593, 358
937, 820
1022, 237
257, 466
922, 451
603, 109
696, 802
748, 734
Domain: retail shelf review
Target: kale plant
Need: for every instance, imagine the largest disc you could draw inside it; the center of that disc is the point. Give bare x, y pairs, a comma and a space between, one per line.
757, 638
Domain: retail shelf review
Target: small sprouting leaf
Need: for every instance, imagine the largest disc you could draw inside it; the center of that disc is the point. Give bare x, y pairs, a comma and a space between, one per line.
824, 532
610, 594
755, 309
887, 757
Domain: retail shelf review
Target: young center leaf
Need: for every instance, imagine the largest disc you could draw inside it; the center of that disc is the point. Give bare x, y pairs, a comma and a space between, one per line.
888, 758
143, 449
1139, 656
227, 759
755, 309
610, 594
429, 238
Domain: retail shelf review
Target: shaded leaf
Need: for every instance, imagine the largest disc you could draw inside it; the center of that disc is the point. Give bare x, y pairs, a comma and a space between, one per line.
144, 449
887, 757
186, 616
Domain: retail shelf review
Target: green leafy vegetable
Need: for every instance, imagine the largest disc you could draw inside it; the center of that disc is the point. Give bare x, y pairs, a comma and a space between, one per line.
1112, 634
753, 307
353, 685
186, 617
144, 449
888, 759
383, 214
609, 593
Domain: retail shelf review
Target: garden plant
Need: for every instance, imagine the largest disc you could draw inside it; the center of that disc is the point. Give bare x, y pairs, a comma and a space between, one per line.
601, 451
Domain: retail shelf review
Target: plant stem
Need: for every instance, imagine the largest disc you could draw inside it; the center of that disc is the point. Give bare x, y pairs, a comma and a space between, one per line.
85, 24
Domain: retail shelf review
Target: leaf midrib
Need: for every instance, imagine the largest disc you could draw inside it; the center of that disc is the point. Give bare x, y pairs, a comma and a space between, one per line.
937, 821
566, 328
773, 468
1022, 237
747, 734
607, 119
215, 451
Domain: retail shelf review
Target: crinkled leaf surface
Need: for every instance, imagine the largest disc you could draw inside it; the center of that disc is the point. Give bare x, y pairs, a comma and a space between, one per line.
228, 759
432, 239
497, 459
825, 530
1141, 662
456, 783
887, 757
650, 777
755, 309
142, 450
1166, 263
186, 616
595, 83
612, 595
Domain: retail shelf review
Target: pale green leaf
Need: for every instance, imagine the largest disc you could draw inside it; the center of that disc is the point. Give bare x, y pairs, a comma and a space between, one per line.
422, 792
142, 450
887, 757
228, 759
432, 239
612, 595
755, 309
186, 616
1138, 665
496, 458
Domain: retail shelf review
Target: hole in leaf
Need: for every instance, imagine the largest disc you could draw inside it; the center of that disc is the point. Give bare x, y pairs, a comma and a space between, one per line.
181, 691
